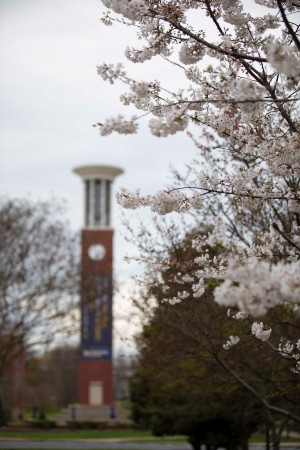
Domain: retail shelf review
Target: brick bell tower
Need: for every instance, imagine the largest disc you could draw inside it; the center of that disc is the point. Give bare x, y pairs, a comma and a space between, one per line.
95, 368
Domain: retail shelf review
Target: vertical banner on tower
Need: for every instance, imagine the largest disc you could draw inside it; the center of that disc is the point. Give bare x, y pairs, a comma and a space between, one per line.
96, 326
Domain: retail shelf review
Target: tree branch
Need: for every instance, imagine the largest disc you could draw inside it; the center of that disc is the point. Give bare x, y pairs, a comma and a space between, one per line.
266, 404
216, 191
218, 49
285, 237
287, 24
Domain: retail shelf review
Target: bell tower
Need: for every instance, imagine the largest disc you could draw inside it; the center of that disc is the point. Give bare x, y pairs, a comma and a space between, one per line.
95, 369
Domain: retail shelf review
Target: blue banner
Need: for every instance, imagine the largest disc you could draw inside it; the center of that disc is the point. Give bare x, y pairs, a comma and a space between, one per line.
96, 317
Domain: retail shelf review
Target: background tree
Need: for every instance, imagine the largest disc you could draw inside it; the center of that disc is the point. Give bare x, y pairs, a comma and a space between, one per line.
209, 410
52, 377
186, 376
38, 277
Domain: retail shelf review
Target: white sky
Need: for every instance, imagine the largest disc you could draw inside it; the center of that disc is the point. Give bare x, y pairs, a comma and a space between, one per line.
50, 97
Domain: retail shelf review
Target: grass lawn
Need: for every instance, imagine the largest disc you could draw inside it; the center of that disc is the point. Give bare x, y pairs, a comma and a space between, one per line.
55, 434
259, 438
136, 436
74, 434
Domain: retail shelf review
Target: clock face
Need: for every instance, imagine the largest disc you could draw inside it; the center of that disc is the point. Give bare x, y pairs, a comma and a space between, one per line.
96, 252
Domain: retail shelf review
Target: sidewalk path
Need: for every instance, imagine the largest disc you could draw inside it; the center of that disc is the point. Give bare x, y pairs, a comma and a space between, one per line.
18, 444
89, 445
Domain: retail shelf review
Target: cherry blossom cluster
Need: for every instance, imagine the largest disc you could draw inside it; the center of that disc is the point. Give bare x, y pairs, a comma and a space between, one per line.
163, 202
259, 332
132, 10
175, 120
191, 52
118, 124
233, 340
242, 94
290, 350
258, 286
284, 59
110, 72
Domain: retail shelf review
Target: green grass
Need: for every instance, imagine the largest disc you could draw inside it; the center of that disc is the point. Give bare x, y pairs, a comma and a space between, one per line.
136, 436
259, 438
78, 434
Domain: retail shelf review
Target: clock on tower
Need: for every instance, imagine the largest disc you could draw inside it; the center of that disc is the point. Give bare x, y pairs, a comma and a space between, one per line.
95, 370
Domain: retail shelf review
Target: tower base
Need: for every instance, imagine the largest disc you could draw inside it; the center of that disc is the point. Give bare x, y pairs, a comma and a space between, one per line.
104, 414
95, 383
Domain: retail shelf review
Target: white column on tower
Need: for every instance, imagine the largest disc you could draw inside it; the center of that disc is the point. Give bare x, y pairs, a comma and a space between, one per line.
97, 185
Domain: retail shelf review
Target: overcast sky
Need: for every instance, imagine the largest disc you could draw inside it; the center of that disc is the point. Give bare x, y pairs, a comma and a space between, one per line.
50, 97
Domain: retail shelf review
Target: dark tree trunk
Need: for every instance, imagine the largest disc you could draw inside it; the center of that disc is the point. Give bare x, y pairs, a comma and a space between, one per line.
267, 435
244, 445
195, 441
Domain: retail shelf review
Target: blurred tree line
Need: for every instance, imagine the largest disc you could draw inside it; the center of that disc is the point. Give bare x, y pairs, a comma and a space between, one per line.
52, 378
39, 292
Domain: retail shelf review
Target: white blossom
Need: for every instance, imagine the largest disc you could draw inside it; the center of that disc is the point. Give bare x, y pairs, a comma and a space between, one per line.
111, 72
183, 295
283, 58
240, 316
191, 52
140, 56
171, 123
231, 342
119, 125
198, 288
227, 43
130, 200
165, 202
141, 89
285, 347
172, 301
258, 331
131, 9
269, 21
256, 286
245, 90
202, 260
187, 278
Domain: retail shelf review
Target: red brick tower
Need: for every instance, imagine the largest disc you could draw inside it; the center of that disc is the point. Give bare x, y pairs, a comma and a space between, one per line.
95, 370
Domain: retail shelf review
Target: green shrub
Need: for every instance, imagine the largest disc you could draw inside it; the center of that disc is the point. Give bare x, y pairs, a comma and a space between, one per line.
124, 426
74, 424
42, 423
87, 424
42, 415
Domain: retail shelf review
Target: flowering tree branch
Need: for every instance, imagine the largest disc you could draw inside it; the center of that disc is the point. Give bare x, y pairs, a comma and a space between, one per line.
285, 237
287, 24
197, 38
266, 404
240, 90
237, 194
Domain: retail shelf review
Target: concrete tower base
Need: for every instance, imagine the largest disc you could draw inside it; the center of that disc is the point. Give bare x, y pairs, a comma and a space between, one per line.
105, 414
